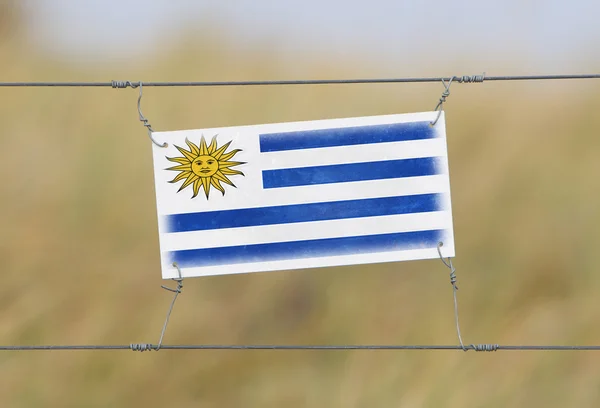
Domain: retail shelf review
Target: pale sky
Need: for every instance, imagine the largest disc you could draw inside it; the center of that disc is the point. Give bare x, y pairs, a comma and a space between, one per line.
543, 36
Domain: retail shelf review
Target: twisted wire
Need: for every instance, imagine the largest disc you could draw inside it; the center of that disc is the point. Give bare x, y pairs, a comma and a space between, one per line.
440, 106
146, 347
177, 291
466, 79
453, 279
460, 79
145, 122
125, 84
143, 347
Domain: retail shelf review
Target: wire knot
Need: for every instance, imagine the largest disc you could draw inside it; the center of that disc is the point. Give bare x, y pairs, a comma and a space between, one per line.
468, 79
453, 278
124, 84
177, 289
484, 347
445, 94
145, 121
141, 347
454, 290
449, 265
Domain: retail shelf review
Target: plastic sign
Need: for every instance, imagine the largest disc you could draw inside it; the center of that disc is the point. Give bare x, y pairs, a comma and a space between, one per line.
303, 194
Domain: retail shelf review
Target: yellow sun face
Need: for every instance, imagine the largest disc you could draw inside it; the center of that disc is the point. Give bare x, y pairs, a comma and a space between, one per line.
205, 166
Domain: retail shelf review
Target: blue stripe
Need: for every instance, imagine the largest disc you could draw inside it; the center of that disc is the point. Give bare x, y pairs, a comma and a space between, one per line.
285, 214
306, 249
309, 139
341, 173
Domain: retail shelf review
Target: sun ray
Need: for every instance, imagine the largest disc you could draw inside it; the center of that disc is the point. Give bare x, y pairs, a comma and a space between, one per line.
219, 176
197, 184
181, 176
182, 167
180, 160
217, 185
230, 172
206, 185
203, 148
205, 166
217, 155
193, 148
224, 165
191, 178
188, 155
229, 155
213, 145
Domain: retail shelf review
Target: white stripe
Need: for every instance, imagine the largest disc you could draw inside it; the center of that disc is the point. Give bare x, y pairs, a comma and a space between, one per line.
241, 198
169, 272
306, 231
354, 154
179, 136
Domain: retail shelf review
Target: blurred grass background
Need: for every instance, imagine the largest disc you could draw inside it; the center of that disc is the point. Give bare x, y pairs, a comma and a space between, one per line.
79, 245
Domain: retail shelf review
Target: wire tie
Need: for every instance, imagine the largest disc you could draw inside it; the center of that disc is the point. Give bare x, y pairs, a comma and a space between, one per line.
141, 115
123, 84
454, 290
484, 347
440, 106
177, 291
141, 347
466, 79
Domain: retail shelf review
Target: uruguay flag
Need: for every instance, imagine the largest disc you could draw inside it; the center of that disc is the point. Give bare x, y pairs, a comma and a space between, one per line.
303, 194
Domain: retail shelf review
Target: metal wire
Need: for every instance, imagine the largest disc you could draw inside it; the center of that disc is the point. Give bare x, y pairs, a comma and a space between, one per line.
440, 106
141, 347
460, 79
144, 347
147, 347
142, 118
454, 290
177, 291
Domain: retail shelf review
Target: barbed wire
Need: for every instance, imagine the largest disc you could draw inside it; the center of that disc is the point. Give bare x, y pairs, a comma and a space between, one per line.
459, 79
